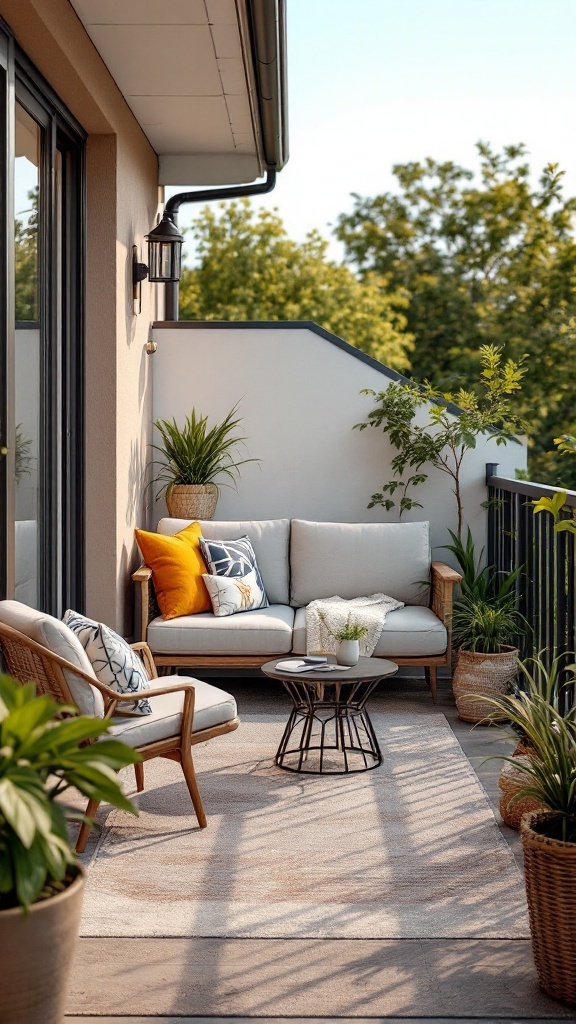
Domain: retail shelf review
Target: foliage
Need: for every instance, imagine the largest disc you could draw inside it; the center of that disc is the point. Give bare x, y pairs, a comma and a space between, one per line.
482, 584
566, 445
550, 774
40, 757
351, 631
248, 269
483, 626
194, 454
443, 440
23, 459
483, 260
26, 263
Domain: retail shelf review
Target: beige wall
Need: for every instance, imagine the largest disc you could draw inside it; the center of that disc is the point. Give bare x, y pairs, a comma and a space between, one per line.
300, 397
122, 201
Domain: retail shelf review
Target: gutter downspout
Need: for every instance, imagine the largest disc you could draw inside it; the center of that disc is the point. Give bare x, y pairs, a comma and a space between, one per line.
172, 288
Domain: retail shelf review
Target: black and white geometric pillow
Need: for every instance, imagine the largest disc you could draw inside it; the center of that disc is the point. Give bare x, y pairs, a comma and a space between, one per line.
232, 558
112, 659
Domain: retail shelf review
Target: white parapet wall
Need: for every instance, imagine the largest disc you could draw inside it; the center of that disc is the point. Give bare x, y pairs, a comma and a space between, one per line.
299, 394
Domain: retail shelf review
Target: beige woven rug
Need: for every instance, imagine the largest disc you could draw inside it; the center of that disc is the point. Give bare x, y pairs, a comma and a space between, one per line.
409, 850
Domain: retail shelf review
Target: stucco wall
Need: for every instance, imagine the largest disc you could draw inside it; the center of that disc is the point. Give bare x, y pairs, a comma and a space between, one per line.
300, 398
122, 204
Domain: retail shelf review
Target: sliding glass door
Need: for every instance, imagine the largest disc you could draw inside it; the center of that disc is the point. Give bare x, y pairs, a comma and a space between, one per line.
42, 345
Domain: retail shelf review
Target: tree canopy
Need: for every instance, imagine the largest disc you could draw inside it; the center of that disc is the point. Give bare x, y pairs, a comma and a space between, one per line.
247, 268
488, 261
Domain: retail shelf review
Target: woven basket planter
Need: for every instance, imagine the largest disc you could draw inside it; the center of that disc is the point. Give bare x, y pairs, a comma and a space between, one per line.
550, 869
511, 781
192, 501
482, 675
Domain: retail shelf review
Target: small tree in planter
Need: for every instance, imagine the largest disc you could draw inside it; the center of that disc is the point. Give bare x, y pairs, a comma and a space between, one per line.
442, 442
41, 881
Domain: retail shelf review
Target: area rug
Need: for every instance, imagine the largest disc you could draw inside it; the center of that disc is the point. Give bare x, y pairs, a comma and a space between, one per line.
408, 850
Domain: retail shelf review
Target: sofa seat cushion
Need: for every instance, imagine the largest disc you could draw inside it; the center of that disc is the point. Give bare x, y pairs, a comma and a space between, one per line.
262, 631
270, 539
212, 706
357, 559
409, 632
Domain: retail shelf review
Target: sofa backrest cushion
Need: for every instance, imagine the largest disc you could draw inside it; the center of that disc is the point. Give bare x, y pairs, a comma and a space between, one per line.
357, 559
270, 540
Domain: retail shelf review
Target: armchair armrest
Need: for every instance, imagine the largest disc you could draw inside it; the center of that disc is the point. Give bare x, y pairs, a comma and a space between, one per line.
143, 650
145, 601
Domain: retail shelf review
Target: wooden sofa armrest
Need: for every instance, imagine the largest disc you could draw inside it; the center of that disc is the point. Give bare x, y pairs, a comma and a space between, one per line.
145, 601
444, 579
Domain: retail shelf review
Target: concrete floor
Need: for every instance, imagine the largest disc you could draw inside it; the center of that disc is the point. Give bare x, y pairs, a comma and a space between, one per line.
170, 981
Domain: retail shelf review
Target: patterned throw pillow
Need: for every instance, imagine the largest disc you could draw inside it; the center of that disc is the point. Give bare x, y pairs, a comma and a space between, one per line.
232, 558
115, 664
231, 594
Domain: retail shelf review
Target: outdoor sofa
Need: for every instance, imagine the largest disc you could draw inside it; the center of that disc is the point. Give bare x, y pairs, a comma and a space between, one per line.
300, 561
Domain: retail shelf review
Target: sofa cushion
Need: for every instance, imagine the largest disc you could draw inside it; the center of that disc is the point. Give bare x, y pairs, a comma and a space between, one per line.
270, 540
265, 631
212, 706
409, 632
233, 558
58, 638
231, 595
177, 566
357, 559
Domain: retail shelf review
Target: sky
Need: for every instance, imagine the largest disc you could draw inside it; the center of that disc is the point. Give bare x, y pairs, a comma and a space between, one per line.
372, 83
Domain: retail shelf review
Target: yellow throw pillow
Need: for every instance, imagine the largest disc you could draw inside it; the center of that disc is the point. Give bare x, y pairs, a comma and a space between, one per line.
177, 566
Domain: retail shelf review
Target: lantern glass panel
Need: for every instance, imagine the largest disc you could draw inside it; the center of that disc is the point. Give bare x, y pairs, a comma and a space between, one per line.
164, 261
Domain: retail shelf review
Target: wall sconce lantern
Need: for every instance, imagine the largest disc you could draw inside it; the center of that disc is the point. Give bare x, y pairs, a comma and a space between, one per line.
164, 257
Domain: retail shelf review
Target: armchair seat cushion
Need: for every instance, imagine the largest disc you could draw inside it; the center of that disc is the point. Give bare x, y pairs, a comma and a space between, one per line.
261, 631
409, 632
212, 707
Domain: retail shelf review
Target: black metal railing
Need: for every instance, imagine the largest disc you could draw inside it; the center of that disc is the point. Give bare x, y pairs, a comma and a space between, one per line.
546, 588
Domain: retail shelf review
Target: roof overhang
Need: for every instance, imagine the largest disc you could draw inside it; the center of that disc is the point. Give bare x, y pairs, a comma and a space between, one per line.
205, 79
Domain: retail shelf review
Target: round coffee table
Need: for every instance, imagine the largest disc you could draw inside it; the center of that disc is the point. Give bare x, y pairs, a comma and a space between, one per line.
329, 731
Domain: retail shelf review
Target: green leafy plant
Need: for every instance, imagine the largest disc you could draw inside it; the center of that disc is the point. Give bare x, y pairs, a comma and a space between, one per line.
442, 442
482, 626
194, 454
550, 772
566, 445
42, 755
23, 458
351, 631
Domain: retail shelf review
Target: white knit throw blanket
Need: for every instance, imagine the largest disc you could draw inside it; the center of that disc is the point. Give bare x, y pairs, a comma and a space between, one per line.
328, 615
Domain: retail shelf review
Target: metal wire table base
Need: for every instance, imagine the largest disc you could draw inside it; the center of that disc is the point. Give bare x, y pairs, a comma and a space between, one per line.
329, 733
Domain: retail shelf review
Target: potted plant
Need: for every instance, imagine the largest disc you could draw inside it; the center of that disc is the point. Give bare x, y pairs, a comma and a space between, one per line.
193, 456
348, 642
484, 629
548, 837
41, 881
536, 680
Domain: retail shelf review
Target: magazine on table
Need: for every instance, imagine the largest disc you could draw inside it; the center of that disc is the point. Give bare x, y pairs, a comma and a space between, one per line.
312, 663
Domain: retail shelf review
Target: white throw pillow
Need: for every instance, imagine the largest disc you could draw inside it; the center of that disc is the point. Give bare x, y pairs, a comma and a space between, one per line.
114, 662
231, 594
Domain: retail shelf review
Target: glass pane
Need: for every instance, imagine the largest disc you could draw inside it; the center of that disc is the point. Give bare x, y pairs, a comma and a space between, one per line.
27, 356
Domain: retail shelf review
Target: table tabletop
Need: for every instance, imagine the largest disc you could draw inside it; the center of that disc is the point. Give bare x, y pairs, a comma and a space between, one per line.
367, 668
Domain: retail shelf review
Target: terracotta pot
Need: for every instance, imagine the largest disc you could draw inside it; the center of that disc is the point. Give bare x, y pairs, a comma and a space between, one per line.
192, 501
550, 869
482, 675
348, 652
36, 954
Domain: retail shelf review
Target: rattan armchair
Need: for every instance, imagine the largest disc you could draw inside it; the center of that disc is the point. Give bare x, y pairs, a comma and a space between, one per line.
27, 660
